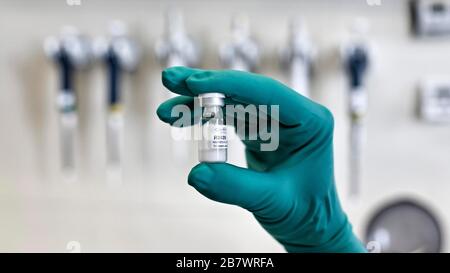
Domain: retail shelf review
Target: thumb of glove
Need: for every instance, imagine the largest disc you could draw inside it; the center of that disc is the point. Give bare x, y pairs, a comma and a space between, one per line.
230, 184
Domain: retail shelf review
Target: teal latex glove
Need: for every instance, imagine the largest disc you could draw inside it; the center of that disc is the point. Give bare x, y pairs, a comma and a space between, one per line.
291, 190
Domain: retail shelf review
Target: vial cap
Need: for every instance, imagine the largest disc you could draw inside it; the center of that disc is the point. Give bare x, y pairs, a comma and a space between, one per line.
211, 99
211, 95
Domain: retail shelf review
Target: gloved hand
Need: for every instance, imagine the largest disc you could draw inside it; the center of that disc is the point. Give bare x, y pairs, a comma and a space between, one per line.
291, 190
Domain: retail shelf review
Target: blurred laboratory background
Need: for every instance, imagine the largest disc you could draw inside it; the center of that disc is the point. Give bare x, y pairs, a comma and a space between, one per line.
85, 164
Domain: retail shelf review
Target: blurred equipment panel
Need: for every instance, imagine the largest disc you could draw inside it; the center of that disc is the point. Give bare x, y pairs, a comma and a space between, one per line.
430, 17
434, 104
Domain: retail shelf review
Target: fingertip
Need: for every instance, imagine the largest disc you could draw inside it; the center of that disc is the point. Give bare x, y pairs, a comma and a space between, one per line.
162, 113
200, 174
170, 110
203, 176
199, 81
201, 171
173, 78
169, 79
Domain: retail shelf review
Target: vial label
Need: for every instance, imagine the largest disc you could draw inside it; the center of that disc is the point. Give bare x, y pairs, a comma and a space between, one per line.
219, 140
216, 136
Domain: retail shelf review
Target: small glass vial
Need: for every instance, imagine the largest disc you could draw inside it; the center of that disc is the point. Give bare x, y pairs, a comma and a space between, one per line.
214, 143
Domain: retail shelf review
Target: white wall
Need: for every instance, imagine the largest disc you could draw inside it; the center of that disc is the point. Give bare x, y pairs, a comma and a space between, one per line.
155, 209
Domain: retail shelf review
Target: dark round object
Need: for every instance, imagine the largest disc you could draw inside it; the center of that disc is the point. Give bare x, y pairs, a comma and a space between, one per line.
405, 226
